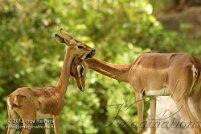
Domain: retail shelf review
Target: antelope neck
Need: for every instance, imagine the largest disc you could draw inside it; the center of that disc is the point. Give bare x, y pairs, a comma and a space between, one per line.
115, 71
65, 72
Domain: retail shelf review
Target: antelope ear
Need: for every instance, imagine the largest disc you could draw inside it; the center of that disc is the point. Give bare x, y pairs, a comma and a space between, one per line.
59, 38
65, 35
62, 40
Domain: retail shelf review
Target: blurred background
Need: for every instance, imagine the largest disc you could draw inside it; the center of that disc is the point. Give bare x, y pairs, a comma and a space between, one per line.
119, 30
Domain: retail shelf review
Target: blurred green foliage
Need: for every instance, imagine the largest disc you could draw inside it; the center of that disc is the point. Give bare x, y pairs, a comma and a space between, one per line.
119, 30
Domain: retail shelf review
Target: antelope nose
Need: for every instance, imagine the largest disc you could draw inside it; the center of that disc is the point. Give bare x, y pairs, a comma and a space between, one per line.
93, 52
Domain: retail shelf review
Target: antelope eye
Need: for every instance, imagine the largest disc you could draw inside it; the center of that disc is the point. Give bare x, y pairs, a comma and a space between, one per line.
80, 47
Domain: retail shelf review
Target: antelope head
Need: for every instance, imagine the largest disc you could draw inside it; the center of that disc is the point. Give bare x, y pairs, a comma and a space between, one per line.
78, 71
80, 48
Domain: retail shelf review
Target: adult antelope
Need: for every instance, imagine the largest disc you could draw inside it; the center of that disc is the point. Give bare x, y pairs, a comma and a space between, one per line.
47, 102
158, 74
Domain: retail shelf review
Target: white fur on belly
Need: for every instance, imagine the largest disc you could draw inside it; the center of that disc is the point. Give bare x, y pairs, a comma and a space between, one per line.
160, 92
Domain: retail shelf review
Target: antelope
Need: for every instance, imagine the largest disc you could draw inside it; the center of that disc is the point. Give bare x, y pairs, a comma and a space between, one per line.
47, 102
160, 74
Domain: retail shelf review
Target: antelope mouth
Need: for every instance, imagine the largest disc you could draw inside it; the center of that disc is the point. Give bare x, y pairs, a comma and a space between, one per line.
82, 89
89, 55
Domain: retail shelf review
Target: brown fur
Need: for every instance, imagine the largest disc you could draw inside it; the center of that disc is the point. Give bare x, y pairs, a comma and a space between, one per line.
155, 71
49, 101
